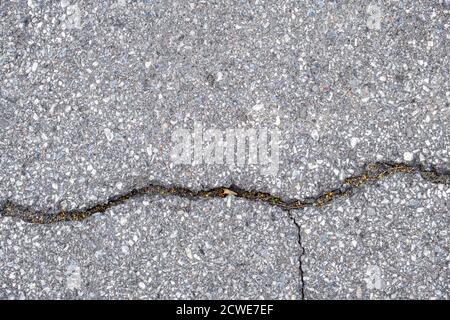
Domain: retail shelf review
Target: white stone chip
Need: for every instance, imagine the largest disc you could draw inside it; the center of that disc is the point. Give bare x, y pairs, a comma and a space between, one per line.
408, 156
109, 134
353, 142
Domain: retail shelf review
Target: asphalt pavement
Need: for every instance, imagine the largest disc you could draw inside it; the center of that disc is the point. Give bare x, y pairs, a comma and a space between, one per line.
265, 102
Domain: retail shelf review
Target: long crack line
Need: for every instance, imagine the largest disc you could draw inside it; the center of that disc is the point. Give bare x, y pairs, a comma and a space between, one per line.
373, 172
300, 257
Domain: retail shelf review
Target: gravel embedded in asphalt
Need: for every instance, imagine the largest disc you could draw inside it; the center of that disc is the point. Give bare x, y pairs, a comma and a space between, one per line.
95, 95
389, 241
92, 94
155, 248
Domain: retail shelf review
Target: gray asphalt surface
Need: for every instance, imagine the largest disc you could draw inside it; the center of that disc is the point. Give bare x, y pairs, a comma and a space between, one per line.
390, 241
158, 248
92, 94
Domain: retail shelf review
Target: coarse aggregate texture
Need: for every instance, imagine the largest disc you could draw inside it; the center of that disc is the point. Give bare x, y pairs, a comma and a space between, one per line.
390, 241
159, 248
94, 94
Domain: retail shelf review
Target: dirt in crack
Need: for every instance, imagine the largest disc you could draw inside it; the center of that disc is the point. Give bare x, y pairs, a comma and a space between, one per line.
372, 172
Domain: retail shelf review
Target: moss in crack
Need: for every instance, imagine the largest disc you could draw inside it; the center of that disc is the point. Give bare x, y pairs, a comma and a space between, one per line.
373, 172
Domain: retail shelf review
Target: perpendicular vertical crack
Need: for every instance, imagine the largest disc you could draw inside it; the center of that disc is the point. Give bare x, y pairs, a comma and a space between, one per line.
301, 254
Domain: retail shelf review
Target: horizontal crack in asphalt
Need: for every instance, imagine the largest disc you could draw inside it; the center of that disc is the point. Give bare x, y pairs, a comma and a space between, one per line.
373, 172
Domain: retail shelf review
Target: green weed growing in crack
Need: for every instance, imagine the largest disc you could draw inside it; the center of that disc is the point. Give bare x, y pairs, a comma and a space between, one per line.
373, 172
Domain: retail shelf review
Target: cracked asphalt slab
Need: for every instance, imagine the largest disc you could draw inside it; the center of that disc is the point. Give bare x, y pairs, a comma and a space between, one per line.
91, 95
390, 241
155, 248
89, 110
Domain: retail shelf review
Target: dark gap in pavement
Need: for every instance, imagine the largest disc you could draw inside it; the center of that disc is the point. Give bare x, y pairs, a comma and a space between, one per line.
373, 172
